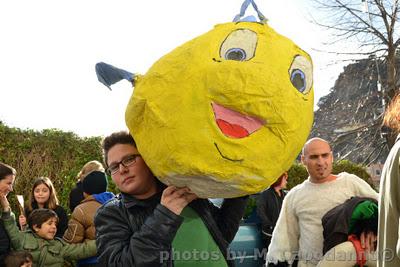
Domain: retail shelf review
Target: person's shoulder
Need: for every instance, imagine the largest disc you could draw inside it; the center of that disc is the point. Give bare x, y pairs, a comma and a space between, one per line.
349, 177
297, 193
353, 182
83, 207
110, 212
113, 204
266, 192
59, 209
87, 199
297, 188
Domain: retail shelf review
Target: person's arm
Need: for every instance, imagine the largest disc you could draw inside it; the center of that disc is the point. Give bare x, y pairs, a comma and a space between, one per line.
79, 251
62, 221
75, 232
16, 236
8, 218
285, 237
120, 243
4, 241
229, 215
363, 189
262, 210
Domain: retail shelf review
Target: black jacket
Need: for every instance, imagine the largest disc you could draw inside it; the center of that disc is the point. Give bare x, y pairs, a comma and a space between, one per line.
76, 196
336, 222
4, 243
269, 205
131, 232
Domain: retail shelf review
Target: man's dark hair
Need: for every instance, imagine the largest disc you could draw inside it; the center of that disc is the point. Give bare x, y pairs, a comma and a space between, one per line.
17, 258
39, 216
6, 170
122, 137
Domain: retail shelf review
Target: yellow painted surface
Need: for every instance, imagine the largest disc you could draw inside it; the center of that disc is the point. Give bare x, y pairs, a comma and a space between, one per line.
171, 116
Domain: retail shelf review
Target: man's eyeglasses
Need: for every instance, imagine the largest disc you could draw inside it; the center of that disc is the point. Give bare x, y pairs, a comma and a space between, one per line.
126, 161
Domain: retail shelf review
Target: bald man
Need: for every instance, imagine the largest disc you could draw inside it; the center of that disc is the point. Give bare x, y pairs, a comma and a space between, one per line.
299, 229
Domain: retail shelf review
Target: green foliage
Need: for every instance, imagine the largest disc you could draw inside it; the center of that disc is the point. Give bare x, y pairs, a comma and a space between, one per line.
297, 174
353, 168
52, 153
251, 204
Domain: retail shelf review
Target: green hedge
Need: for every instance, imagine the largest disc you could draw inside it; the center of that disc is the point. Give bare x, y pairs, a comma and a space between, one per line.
52, 153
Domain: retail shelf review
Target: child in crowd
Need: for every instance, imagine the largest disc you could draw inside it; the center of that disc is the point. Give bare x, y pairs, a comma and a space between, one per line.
76, 194
43, 195
18, 259
81, 224
40, 239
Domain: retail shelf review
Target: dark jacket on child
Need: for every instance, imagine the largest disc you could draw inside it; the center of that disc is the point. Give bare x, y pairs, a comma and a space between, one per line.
336, 222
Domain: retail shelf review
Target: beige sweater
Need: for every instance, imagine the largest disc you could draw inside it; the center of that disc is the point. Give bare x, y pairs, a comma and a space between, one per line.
389, 211
299, 228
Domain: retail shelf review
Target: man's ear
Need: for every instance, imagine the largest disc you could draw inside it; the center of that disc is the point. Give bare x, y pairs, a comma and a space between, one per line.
302, 160
35, 228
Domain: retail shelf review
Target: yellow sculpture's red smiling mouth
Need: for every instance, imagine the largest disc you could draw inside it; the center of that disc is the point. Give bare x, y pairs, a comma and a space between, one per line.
234, 124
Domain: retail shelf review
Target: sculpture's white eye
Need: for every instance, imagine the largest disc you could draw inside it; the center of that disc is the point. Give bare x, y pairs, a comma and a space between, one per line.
240, 45
301, 74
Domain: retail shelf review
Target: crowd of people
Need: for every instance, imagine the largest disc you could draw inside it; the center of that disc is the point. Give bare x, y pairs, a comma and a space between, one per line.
152, 224
147, 224
43, 232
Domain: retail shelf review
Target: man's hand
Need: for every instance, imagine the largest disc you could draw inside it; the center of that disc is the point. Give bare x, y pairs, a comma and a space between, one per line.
368, 241
175, 199
4, 202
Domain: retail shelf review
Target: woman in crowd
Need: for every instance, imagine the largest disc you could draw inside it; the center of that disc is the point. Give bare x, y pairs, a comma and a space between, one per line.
7, 177
43, 195
269, 206
76, 195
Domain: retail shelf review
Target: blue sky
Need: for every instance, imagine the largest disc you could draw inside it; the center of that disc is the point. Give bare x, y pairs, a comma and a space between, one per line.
49, 49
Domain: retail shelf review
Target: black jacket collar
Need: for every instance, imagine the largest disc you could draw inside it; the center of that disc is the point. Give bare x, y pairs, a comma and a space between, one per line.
130, 201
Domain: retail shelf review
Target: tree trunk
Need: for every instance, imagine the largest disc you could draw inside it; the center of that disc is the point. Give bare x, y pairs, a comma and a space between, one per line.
391, 72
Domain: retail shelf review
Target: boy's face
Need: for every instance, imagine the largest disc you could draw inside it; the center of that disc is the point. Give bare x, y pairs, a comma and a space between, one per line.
47, 230
135, 179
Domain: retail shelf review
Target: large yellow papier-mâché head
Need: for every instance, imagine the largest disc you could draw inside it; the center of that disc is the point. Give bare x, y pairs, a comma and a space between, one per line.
225, 113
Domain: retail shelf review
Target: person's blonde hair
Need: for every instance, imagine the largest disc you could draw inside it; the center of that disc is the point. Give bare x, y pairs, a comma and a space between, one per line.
89, 167
392, 114
52, 202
